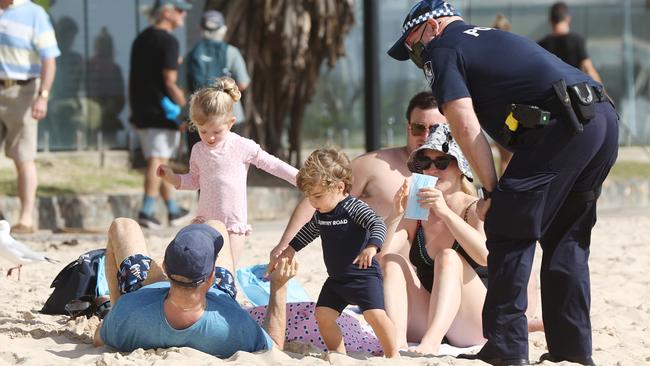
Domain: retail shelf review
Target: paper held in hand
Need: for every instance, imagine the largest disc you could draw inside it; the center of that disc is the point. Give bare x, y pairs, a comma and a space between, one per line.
413, 209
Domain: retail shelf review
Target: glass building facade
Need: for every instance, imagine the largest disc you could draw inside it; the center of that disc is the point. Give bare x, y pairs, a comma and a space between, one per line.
89, 105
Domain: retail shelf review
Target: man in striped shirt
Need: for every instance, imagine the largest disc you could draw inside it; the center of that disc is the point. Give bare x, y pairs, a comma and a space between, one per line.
27, 67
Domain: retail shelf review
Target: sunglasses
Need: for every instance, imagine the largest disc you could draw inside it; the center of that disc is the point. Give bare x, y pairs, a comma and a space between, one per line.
419, 129
441, 162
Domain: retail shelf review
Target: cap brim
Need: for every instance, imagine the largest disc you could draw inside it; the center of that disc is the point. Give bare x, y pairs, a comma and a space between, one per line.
399, 50
184, 6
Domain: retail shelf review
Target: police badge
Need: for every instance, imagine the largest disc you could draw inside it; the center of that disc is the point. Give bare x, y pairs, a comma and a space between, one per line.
428, 73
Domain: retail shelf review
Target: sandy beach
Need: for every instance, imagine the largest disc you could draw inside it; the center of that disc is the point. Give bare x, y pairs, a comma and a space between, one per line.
620, 255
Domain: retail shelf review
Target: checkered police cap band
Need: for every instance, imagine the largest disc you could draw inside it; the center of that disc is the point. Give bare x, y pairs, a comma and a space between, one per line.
433, 9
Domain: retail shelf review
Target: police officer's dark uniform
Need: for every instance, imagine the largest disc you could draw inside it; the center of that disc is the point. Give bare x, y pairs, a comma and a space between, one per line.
548, 193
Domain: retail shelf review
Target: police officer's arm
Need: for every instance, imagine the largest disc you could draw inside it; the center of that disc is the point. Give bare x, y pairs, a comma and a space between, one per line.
467, 132
170, 77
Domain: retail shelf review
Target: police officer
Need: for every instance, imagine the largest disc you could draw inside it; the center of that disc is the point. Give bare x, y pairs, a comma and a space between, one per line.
563, 132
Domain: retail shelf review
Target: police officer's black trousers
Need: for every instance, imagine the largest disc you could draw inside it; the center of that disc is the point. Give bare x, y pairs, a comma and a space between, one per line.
547, 194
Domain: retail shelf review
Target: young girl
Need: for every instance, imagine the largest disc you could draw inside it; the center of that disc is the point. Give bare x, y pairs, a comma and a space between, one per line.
219, 163
351, 234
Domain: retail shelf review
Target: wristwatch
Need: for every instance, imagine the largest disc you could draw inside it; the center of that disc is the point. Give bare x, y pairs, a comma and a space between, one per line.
44, 93
486, 195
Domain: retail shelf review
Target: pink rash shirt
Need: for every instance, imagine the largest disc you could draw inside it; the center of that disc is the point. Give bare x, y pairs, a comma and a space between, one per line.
221, 172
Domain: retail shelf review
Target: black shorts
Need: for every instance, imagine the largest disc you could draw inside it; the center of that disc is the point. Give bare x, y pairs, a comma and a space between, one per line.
366, 292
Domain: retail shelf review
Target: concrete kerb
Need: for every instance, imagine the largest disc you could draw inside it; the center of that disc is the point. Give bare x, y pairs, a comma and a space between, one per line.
94, 212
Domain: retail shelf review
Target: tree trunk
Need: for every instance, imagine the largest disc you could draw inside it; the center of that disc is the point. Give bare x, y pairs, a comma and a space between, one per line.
284, 43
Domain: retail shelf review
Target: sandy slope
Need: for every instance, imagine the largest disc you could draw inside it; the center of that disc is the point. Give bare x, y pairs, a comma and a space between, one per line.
620, 304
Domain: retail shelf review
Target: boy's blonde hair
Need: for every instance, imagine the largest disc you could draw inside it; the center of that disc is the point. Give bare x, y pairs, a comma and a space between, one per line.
213, 102
325, 168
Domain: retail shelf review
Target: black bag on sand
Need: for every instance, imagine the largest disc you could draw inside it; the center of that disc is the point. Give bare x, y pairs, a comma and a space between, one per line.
77, 280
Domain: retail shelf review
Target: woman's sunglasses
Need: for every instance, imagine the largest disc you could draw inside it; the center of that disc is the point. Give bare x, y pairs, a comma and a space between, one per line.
441, 162
419, 129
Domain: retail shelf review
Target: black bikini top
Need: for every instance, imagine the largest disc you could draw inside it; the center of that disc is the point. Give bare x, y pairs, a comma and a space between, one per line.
419, 256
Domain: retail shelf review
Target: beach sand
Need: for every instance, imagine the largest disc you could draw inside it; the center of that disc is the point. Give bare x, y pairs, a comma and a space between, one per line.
620, 255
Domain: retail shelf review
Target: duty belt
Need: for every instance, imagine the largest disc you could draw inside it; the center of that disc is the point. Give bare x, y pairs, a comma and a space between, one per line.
556, 108
8, 83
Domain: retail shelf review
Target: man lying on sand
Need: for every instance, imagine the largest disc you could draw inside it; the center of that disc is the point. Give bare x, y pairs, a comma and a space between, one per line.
186, 301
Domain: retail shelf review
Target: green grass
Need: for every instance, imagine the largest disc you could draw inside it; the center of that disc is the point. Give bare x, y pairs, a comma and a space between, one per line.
630, 169
72, 176
69, 176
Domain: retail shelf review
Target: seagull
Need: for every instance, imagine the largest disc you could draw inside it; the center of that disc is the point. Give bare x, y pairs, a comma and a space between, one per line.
17, 252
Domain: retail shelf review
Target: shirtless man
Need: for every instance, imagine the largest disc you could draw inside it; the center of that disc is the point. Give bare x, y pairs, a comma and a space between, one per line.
377, 175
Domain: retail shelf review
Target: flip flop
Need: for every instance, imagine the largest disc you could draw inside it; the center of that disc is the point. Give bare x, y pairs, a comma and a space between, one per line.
80, 307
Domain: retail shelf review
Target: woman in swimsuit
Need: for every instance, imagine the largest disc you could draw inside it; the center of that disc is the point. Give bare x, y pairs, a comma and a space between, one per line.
438, 292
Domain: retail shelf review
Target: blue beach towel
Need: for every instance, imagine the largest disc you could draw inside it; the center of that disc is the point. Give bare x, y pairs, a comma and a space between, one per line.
257, 288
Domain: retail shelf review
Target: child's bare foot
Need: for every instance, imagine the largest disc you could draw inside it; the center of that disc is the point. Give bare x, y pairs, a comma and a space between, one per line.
336, 358
394, 355
424, 349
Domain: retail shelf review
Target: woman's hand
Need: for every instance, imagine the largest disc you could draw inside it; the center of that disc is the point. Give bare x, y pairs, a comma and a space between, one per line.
400, 199
433, 199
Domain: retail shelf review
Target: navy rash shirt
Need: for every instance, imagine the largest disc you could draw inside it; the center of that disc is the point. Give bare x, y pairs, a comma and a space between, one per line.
494, 68
345, 232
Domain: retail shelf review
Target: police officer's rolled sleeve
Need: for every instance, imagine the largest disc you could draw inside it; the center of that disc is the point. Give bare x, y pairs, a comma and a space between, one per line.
450, 82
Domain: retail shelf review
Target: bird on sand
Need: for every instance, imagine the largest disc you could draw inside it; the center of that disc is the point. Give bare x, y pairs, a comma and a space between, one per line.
17, 252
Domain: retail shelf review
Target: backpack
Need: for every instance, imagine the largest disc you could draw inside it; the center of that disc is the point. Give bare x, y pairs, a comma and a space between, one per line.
205, 63
77, 280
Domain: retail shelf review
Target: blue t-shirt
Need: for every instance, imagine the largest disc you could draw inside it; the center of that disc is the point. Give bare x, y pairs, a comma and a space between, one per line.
137, 321
494, 68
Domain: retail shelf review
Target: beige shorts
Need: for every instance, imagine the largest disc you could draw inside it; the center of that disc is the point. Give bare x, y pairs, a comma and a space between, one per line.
18, 130
159, 142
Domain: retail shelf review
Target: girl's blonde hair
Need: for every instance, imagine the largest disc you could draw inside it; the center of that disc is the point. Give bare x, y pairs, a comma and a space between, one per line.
213, 102
325, 168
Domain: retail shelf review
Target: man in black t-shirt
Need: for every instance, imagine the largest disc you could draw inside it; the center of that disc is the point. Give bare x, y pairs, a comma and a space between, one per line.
155, 102
570, 47
549, 190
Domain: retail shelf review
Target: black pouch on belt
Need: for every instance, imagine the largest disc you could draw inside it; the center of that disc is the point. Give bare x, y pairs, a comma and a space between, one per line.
562, 94
582, 100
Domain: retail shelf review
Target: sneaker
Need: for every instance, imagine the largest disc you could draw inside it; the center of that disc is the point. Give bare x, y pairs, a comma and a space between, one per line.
178, 218
148, 221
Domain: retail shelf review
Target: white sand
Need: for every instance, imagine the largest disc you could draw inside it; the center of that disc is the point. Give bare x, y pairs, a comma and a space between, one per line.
620, 304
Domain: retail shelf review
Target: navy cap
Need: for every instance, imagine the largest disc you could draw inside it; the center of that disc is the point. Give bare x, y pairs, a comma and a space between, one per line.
192, 254
419, 13
212, 20
180, 4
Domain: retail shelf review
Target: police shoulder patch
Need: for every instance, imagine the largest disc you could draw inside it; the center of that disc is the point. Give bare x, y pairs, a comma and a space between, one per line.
428, 72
